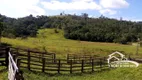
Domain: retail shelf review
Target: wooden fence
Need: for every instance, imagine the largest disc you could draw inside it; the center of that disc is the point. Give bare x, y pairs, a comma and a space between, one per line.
13, 69
62, 65
47, 62
4, 55
76, 57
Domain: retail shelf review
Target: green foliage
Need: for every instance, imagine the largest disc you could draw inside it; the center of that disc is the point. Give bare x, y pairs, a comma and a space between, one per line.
1, 28
103, 30
55, 42
75, 27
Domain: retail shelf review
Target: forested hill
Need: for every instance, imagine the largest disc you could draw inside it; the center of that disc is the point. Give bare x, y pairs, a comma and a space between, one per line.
76, 27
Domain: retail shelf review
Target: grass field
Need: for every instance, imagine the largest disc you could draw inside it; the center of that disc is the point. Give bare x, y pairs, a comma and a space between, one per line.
55, 42
114, 74
3, 73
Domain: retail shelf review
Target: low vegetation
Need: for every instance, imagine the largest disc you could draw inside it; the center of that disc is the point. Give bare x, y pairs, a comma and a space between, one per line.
58, 44
113, 74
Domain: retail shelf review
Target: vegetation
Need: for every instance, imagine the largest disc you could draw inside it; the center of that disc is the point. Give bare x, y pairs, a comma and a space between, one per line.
30, 32
3, 73
75, 27
1, 29
113, 74
58, 44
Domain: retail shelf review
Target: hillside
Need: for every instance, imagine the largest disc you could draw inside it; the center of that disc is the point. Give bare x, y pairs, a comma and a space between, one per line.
55, 42
75, 27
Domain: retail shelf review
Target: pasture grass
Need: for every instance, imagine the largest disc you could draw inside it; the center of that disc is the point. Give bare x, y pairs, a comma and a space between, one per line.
55, 42
3, 73
113, 74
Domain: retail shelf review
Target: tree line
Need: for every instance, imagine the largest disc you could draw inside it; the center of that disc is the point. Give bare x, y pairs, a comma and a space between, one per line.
77, 27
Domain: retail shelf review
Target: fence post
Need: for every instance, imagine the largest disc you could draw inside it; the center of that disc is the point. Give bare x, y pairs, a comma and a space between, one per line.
6, 56
101, 64
92, 65
42, 56
18, 63
29, 59
43, 64
82, 66
74, 58
67, 58
17, 53
90, 59
70, 66
54, 57
59, 65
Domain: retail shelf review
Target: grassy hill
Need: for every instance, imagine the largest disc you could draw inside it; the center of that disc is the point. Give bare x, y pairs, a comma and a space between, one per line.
55, 42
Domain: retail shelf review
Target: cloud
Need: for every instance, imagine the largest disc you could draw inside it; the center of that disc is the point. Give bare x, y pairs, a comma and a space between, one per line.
83, 0
73, 5
111, 7
108, 11
105, 6
20, 8
132, 19
115, 4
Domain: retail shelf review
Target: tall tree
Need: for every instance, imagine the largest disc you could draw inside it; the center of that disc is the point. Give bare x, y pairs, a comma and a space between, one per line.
1, 29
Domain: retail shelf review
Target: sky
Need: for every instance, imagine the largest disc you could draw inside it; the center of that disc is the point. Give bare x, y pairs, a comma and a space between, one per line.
125, 9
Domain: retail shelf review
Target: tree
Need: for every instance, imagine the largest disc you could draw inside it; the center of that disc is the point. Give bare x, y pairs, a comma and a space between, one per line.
78, 27
1, 29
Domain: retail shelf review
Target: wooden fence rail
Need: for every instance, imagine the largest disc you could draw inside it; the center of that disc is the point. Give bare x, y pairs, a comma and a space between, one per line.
62, 65
47, 62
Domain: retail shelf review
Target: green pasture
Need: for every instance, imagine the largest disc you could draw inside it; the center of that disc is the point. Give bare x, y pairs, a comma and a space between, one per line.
55, 42
112, 74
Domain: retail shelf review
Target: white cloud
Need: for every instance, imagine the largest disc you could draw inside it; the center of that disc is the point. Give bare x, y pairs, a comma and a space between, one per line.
73, 5
132, 19
111, 7
105, 6
20, 8
116, 4
83, 0
108, 11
